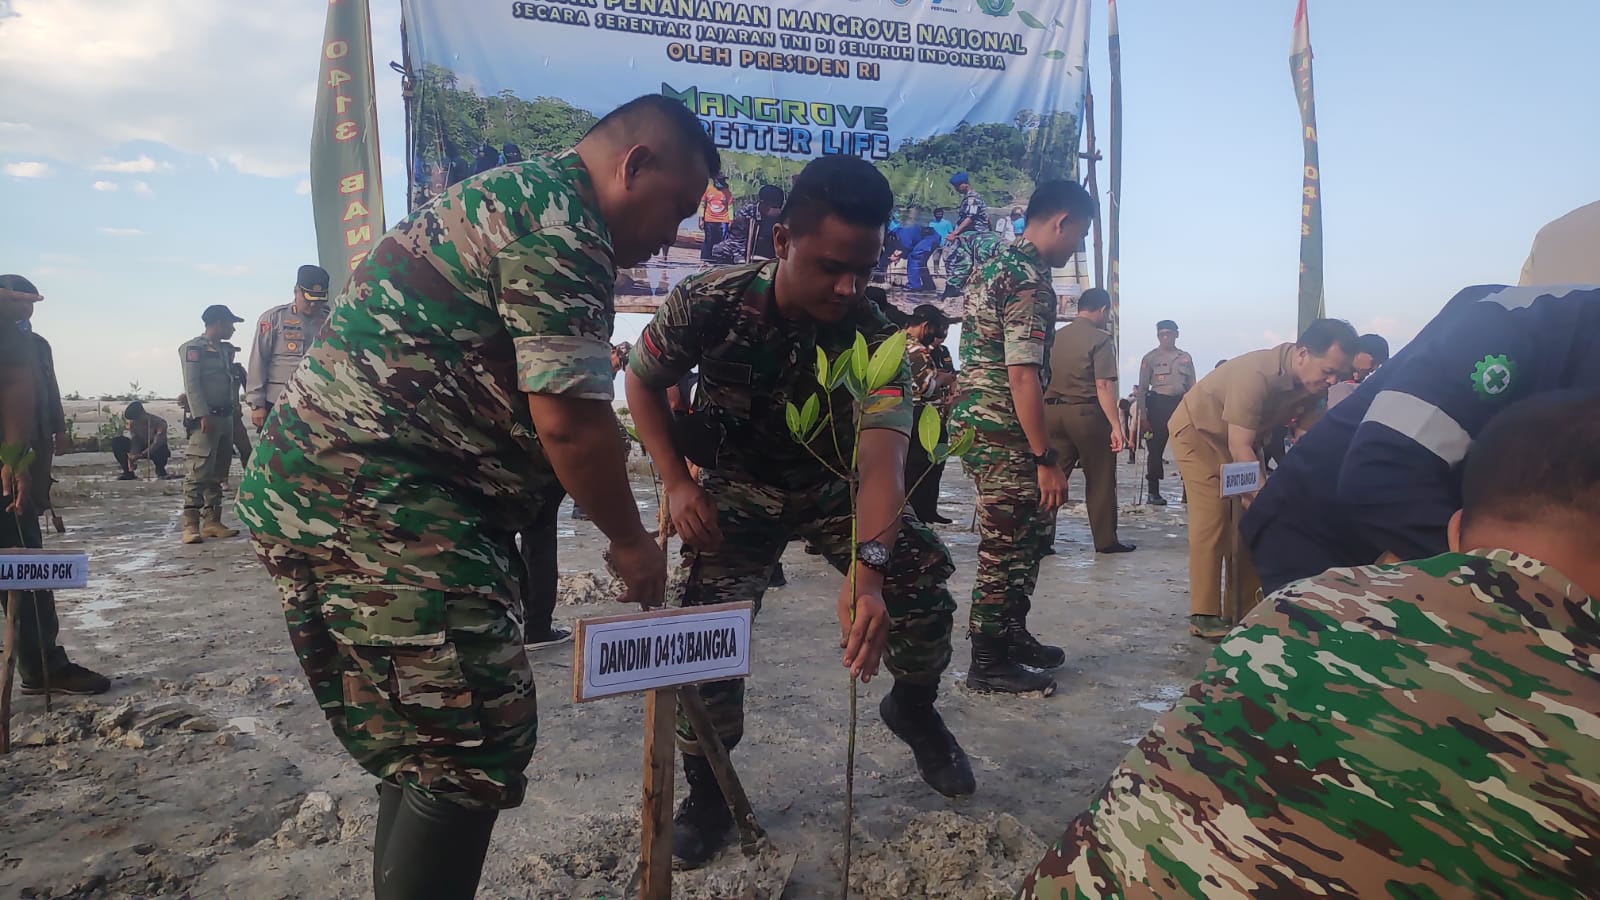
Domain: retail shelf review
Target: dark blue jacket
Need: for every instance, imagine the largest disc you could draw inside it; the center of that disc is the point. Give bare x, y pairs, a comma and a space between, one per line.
1382, 470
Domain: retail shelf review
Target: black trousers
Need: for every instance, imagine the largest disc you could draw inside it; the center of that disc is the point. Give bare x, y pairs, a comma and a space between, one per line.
540, 572
1158, 408
922, 476
37, 625
121, 447
715, 233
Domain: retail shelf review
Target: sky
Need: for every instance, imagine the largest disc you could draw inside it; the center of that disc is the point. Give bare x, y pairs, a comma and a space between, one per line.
153, 160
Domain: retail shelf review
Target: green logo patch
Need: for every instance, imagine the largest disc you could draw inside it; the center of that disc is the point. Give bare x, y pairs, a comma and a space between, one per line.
1492, 376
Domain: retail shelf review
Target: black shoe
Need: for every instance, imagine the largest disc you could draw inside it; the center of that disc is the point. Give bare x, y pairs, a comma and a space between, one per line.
1117, 548
556, 635
1048, 551
909, 713
778, 579
700, 827
127, 476
71, 679
162, 474
995, 672
1026, 649
940, 520
578, 515
1153, 496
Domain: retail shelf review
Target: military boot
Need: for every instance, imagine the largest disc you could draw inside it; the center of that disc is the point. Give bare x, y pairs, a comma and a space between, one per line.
191, 527
909, 713
995, 672
700, 827
1154, 497
1026, 649
214, 528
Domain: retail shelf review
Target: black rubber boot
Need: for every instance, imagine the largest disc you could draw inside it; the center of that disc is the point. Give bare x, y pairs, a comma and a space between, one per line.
778, 579
1154, 497
434, 850
909, 713
700, 827
1026, 649
994, 671
388, 805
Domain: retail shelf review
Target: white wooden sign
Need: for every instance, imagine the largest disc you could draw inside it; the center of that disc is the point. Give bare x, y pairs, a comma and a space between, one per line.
663, 648
43, 570
1240, 478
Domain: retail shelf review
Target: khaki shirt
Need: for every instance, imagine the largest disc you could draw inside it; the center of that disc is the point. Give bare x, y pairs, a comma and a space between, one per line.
1256, 390
1082, 355
208, 377
282, 338
1166, 372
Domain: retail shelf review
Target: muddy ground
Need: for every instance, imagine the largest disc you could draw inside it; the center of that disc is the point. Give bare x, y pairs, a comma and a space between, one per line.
208, 772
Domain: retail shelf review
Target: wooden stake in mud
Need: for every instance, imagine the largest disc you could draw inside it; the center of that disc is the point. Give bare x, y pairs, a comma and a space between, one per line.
705, 733
8, 666
656, 821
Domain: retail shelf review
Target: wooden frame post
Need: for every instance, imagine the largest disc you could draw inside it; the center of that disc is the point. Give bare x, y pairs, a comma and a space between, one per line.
656, 814
1231, 584
8, 665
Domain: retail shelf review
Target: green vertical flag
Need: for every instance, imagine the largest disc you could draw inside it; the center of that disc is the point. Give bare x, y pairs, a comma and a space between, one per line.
346, 184
1311, 302
1114, 218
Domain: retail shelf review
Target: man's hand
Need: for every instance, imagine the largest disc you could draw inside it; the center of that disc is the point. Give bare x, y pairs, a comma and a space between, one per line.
1119, 441
694, 516
643, 567
258, 417
1052, 488
16, 484
205, 424
133, 460
864, 639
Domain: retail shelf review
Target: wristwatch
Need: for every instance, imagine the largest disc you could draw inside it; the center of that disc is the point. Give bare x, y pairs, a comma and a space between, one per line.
873, 555
1047, 458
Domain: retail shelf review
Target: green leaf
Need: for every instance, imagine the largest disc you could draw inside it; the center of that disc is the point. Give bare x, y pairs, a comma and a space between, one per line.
791, 415
822, 368
1054, 54
1028, 19
928, 428
808, 413
854, 385
859, 356
886, 361
632, 434
838, 371
963, 442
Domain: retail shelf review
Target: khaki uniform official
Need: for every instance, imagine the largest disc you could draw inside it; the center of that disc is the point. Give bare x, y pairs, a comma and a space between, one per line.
213, 392
1078, 427
283, 334
1259, 391
1165, 375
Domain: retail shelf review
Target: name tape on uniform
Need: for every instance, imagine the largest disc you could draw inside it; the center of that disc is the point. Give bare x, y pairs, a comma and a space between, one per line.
1240, 478
43, 570
664, 648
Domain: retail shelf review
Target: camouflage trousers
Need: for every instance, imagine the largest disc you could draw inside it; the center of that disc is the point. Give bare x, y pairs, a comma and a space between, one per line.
208, 456
1013, 534
425, 687
757, 521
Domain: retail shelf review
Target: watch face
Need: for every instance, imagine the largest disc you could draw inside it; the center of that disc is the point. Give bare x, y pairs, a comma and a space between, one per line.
873, 554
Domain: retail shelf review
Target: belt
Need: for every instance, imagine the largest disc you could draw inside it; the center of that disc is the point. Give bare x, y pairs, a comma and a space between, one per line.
1063, 401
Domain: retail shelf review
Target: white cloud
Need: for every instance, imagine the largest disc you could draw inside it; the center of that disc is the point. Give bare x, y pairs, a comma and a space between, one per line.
122, 232
227, 271
304, 187
101, 75
140, 187
141, 164
107, 186
27, 169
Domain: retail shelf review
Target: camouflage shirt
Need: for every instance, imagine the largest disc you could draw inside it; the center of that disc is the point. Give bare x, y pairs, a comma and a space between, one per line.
753, 362
1423, 730
925, 372
402, 451
1010, 311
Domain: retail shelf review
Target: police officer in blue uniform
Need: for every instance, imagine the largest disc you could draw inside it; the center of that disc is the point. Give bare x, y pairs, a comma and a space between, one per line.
1380, 473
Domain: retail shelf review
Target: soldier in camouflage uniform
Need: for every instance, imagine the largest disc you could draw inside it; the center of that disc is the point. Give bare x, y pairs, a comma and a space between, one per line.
754, 332
463, 372
965, 255
1425, 729
1005, 366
